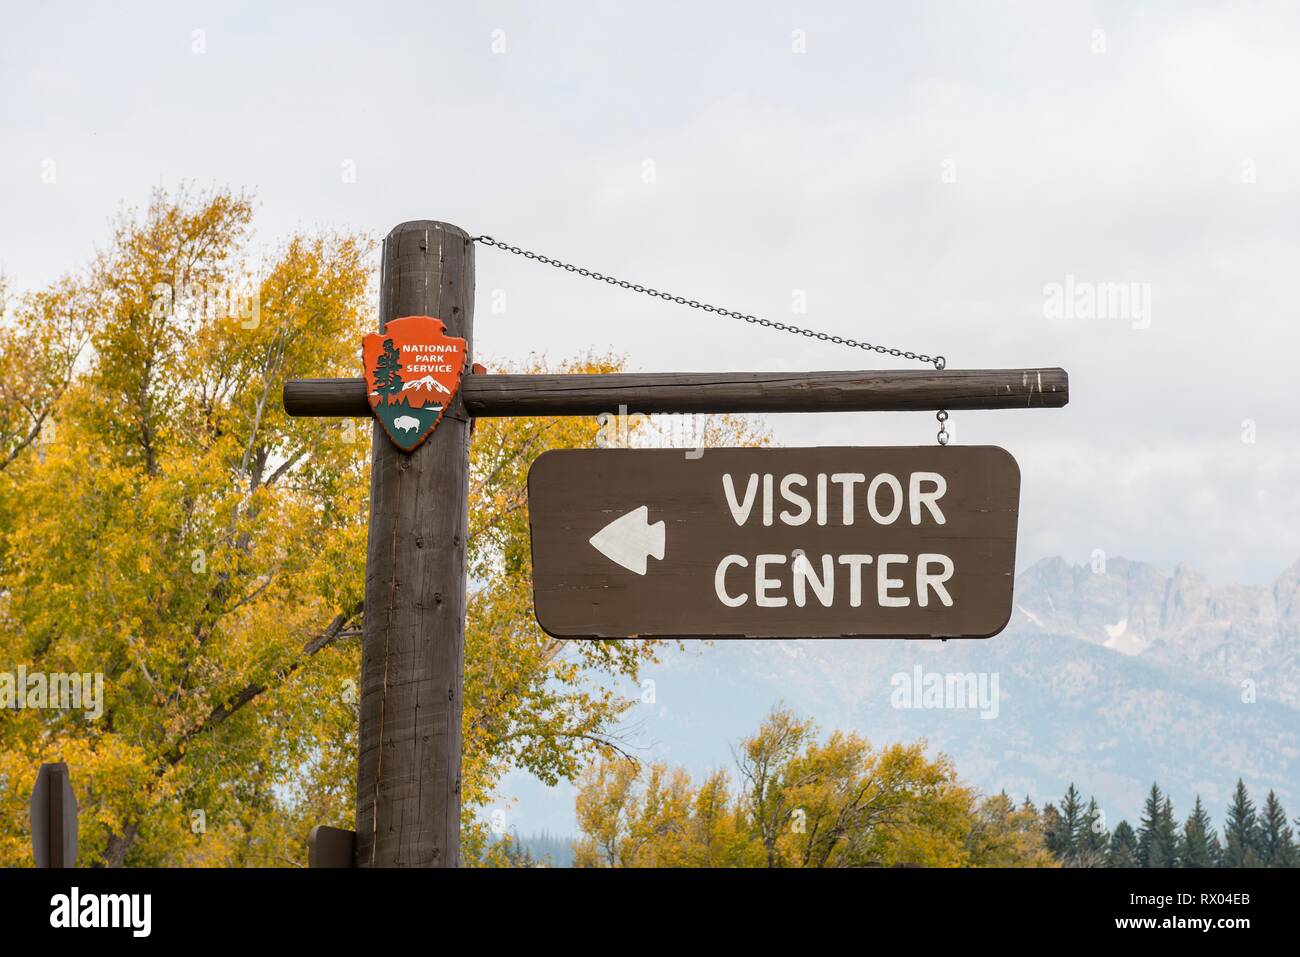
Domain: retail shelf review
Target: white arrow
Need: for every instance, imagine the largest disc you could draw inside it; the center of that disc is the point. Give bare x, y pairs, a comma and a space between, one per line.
630, 539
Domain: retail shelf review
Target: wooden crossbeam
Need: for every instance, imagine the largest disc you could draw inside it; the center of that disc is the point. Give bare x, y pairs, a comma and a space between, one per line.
704, 392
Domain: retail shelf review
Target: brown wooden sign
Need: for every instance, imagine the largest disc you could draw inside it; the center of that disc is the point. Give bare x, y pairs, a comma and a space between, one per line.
774, 543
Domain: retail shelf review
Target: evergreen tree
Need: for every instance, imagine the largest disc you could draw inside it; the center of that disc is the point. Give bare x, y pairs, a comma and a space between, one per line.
1199, 845
388, 371
1123, 850
1277, 846
1069, 827
1241, 831
1149, 853
1092, 840
1166, 838
1055, 835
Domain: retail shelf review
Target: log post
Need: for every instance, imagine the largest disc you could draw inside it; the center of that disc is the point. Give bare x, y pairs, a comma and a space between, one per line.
907, 390
54, 817
408, 775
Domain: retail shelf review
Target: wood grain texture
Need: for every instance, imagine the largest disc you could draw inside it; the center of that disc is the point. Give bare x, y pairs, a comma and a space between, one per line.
580, 592
54, 817
904, 390
408, 775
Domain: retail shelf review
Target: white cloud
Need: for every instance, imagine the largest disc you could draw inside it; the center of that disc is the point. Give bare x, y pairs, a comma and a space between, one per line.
774, 172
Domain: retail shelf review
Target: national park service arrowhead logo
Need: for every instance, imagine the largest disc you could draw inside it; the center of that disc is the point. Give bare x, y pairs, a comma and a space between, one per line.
413, 370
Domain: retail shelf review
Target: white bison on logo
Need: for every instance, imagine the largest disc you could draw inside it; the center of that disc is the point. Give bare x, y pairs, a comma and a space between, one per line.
406, 422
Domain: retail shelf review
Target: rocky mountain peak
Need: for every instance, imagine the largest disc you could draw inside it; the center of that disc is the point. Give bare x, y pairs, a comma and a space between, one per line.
1180, 620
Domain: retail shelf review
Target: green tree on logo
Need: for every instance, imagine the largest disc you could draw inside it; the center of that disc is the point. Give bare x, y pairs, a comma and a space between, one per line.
388, 371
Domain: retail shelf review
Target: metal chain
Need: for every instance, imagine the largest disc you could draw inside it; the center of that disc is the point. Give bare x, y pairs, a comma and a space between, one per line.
937, 361
944, 435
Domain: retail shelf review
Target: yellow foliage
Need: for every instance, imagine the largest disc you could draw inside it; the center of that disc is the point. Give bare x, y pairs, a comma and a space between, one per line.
163, 523
799, 801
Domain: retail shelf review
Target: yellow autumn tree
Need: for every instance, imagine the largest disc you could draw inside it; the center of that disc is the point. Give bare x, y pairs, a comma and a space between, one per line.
1005, 834
165, 525
800, 800
169, 529
631, 814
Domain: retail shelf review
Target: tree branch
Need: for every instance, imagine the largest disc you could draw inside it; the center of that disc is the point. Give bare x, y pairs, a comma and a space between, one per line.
335, 631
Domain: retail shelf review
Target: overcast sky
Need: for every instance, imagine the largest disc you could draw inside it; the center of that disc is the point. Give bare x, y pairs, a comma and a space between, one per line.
918, 173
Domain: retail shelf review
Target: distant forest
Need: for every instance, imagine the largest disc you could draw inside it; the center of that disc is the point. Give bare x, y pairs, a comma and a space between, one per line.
540, 850
1074, 835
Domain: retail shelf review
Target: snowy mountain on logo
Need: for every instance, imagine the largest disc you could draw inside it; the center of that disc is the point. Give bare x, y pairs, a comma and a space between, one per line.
426, 382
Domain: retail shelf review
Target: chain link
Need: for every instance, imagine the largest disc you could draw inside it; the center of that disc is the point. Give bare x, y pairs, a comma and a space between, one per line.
937, 361
944, 435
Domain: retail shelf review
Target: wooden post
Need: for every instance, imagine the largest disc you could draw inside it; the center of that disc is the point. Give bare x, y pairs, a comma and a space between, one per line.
408, 776
54, 818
